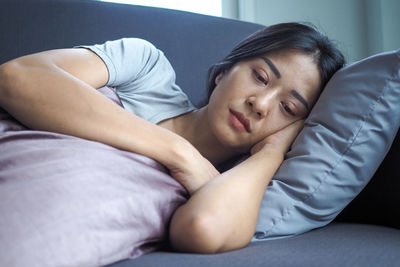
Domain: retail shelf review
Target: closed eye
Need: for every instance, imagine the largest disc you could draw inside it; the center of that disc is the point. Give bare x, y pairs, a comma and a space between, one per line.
287, 109
260, 78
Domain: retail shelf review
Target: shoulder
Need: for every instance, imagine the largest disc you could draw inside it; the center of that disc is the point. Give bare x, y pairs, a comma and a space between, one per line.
142, 51
129, 47
128, 59
137, 43
125, 48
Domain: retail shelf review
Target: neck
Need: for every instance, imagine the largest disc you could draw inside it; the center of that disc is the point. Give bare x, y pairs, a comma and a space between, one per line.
195, 128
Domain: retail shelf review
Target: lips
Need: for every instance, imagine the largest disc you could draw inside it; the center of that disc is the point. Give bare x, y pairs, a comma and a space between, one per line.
240, 121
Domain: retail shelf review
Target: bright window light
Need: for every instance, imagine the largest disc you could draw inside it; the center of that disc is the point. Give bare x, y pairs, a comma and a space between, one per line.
207, 7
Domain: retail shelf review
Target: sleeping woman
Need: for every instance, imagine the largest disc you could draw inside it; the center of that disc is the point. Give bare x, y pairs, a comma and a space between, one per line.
259, 96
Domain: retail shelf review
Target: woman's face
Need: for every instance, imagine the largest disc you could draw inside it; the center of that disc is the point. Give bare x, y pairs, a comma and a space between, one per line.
261, 96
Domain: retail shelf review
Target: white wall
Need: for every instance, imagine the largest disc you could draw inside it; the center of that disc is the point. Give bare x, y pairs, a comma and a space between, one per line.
383, 24
360, 27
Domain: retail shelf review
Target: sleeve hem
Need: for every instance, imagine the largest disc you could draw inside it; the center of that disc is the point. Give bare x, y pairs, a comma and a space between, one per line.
107, 61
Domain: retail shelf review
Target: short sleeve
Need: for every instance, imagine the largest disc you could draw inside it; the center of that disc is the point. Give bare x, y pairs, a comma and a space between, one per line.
126, 59
143, 78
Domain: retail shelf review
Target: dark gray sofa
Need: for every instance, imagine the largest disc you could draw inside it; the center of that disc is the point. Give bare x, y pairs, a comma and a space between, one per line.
366, 233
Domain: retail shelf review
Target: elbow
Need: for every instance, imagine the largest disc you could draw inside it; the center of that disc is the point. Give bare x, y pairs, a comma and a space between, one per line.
11, 76
16, 81
7, 71
206, 234
195, 235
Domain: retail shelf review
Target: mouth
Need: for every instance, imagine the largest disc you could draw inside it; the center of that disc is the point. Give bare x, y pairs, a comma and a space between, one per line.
240, 121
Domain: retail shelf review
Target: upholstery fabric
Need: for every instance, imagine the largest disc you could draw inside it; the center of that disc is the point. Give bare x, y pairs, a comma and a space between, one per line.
338, 244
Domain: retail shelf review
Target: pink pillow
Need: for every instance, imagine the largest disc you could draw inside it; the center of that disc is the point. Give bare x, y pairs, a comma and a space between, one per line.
66, 201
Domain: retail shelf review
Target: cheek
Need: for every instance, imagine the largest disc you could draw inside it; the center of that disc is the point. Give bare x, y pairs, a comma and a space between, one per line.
215, 106
216, 116
217, 96
230, 88
219, 127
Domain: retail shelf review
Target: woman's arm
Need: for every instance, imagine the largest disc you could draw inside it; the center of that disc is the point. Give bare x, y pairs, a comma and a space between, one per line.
55, 91
222, 215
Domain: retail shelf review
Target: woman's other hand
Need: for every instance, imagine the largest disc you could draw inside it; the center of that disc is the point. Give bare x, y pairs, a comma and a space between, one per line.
281, 140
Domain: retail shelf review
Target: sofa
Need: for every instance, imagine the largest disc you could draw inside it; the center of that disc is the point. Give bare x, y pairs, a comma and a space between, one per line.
364, 233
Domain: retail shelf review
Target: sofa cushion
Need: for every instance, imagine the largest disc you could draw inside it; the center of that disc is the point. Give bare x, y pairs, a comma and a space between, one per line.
345, 138
378, 201
338, 244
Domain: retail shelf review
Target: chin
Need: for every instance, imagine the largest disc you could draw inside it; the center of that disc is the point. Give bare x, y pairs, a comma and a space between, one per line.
231, 140
234, 145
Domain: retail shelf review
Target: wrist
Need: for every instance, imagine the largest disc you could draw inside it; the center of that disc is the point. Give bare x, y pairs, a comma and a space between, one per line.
271, 150
176, 152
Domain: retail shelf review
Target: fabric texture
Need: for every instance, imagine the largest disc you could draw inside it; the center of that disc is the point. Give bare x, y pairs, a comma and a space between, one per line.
67, 201
143, 78
345, 139
338, 244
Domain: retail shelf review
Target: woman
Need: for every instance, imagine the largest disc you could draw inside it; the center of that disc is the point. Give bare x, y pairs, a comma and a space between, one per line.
259, 95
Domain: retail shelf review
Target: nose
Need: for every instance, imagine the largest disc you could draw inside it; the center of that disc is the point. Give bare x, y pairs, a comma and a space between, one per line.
261, 103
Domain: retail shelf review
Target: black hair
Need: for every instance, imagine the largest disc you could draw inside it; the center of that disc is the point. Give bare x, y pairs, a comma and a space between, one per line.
294, 36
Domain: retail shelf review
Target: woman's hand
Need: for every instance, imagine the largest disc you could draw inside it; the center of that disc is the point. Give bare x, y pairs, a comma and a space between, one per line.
191, 169
281, 140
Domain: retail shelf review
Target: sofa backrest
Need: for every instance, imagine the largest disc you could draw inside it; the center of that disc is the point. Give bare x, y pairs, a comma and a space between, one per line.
28, 26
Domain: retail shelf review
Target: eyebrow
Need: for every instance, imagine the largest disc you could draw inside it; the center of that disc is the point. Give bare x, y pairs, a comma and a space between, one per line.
272, 66
278, 75
299, 97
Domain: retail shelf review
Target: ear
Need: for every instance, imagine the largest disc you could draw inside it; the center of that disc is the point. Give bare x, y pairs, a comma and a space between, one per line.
219, 77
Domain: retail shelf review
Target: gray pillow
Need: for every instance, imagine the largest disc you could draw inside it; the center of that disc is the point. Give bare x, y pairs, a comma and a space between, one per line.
345, 138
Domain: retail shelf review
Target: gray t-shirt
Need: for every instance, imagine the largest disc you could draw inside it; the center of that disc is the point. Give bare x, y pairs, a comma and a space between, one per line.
143, 79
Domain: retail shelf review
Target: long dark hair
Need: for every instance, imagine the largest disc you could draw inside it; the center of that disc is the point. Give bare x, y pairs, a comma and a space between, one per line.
280, 37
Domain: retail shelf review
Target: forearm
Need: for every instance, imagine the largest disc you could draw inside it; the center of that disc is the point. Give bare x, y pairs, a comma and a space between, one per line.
45, 97
222, 215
